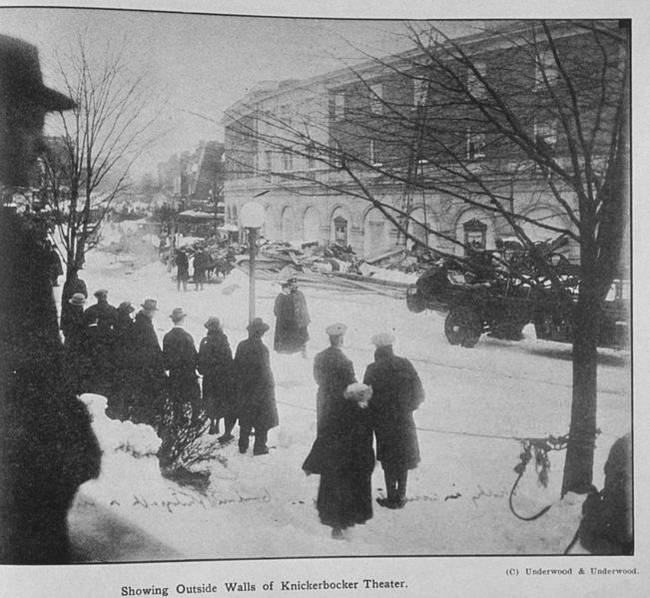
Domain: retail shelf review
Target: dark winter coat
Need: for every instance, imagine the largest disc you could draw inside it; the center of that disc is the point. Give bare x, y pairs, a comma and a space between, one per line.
342, 452
253, 378
72, 325
183, 265
120, 403
146, 393
70, 287
292, 319
397, 392
215, 365
201, 262
106, 316
180, 357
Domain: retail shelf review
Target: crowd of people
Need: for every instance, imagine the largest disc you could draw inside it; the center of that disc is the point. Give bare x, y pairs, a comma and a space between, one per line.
111, 351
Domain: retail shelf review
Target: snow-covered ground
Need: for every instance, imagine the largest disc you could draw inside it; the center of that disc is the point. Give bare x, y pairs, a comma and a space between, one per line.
477, 402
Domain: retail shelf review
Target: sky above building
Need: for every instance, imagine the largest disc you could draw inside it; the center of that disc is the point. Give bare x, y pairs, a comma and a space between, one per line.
198, 64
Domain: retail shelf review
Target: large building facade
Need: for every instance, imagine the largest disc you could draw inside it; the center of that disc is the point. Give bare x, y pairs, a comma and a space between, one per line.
456, 145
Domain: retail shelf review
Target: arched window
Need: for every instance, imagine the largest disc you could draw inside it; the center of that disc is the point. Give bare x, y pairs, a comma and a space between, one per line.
376, 236
287, 224
311, 225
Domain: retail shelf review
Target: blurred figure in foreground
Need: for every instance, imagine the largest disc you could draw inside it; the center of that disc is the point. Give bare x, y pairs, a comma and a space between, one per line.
47, 446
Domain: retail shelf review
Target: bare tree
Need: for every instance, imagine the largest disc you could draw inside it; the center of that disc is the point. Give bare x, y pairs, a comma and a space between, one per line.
86, 167
497, 121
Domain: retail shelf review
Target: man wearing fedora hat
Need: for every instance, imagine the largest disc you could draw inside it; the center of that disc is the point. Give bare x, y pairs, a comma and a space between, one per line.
396, 392
145, 396
47, 445
255, 385
342, 453
180, 358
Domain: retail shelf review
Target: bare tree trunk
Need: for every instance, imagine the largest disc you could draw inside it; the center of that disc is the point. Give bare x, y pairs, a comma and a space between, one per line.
578, 467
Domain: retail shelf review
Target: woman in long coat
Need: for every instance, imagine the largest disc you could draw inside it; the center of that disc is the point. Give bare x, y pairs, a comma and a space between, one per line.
342, 452
292, 320
256, 406
215, 365
397, 392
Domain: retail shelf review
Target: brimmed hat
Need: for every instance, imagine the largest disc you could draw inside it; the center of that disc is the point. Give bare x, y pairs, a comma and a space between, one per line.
257, 325
20, 75
101, 293
177, 314
150, 305
337, 329
126, 306
77, 299
213, 323
383, 339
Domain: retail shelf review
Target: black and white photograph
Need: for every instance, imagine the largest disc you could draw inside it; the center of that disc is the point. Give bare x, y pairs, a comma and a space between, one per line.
308, 292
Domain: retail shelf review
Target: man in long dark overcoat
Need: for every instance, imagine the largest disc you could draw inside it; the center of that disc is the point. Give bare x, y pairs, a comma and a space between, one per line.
255, 385
397, 392
123, 350
73, 326
105, 316
342, 453
215, 365
180, 357
146, 371
182, 269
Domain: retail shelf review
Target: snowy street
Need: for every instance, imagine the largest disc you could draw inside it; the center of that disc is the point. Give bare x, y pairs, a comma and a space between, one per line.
478, 402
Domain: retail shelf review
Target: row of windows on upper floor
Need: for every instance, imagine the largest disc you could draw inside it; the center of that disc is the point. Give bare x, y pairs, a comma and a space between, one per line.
546, 74
306, 158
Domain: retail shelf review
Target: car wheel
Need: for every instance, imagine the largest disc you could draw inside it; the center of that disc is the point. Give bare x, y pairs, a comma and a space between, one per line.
463, 326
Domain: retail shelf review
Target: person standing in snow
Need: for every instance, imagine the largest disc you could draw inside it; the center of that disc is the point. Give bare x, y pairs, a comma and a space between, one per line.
292, 319
215, 365
342, 452
73, 327
72, 285
200, 265
105, 316
182, 269
255, 386
123, 349
397, 392
180, 358
145, 396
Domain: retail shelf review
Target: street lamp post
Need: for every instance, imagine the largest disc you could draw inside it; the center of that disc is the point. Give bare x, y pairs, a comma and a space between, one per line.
251, 217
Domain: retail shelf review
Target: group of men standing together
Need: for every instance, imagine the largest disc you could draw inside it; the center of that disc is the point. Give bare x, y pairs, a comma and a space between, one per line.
111, 353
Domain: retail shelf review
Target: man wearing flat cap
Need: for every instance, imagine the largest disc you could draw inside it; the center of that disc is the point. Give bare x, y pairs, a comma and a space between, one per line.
180, 358
47, 446
255, 386
342, 453
396, 393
